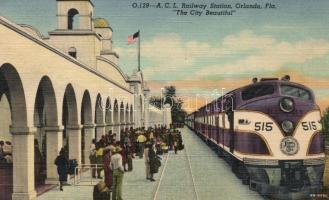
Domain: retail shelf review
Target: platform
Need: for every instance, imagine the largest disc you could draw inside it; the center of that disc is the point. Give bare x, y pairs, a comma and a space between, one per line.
194, 173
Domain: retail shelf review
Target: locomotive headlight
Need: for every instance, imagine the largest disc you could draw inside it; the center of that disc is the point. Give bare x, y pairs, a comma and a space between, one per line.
287, 126
286, 104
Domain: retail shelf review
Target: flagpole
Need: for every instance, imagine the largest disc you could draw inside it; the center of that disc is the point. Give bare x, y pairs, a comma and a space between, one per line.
139, 51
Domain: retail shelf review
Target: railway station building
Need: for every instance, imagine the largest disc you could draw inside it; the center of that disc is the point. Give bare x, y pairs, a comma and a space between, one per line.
64, 90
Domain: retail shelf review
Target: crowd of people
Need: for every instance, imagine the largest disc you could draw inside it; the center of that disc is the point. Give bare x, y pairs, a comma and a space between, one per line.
116, 157
112, 158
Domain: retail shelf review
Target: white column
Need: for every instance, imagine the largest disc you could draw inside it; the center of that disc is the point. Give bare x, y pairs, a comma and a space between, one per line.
116, 130
147, 115
100, 131
54, 143
74, 134
23, 163
89, 136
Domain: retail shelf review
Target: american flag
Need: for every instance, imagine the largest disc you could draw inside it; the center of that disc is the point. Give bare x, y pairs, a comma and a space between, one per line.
132, 38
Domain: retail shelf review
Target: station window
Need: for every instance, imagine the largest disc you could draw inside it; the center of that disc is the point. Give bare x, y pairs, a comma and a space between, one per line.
73, 52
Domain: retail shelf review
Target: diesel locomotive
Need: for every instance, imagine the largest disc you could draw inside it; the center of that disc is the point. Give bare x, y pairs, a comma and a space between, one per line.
270, 133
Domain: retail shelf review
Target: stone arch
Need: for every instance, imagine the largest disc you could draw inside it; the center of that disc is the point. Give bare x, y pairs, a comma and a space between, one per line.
131, 114
70, 109
116, 119
86, 110
69, 118
122, 113
127, 114
45, 104
99, 115
108, 116
122, 119
116, 112
87, 122
45, 115
11, 86
141, 110
108, 111
72, 19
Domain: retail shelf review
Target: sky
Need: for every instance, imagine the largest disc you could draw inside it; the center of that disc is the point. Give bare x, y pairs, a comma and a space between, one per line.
200, 55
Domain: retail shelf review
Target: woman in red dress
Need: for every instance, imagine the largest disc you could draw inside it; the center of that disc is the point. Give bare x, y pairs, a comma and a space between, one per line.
107, 169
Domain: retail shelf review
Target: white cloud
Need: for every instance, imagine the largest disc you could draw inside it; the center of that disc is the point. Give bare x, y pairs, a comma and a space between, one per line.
271, 54
170, 54
247, 40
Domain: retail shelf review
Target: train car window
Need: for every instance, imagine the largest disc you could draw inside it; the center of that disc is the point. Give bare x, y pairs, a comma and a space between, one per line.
295, 92
257, 91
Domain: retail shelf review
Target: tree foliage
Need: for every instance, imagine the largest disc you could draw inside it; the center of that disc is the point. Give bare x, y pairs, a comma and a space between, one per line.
325, 124
169, 97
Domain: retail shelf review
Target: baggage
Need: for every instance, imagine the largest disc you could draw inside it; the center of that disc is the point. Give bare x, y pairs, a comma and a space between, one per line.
72, 165
101, 192
181, 147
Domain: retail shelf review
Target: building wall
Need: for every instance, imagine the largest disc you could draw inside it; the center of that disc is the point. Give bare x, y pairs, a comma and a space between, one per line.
36, 61
87, 46
155, 116
111, 71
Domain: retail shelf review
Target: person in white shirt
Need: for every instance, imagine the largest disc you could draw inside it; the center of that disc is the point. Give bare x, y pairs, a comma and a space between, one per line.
118, 171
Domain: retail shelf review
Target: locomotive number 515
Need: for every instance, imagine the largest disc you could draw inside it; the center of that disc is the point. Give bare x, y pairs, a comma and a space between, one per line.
263, 126
309, 126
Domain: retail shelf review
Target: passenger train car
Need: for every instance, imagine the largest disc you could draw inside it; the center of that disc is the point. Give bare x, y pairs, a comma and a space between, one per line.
270, 133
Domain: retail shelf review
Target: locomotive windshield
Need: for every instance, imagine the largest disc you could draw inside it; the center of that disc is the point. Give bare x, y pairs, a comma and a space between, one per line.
257, 91
295, 92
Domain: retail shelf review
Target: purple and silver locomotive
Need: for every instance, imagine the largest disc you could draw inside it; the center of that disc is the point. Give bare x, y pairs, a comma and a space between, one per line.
270, 133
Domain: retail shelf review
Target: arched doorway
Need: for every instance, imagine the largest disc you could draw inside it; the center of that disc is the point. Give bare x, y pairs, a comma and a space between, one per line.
87, 131
116, 119
131, 116
141, 111
45, 116
122, 119
13, 101
127, 117
108, 116
99, 118
71, 133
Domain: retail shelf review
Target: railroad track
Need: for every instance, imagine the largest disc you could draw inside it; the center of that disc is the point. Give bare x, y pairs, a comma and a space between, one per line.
191, 172
189, 168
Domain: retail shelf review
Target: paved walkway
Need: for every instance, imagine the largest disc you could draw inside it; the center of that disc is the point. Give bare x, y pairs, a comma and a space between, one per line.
196, 173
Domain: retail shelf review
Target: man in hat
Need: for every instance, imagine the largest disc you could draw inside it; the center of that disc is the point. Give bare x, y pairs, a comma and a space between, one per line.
141, 139
106, 166
118, 171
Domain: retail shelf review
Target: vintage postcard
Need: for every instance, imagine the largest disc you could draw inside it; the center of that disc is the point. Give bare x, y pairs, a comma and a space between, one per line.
164, 99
